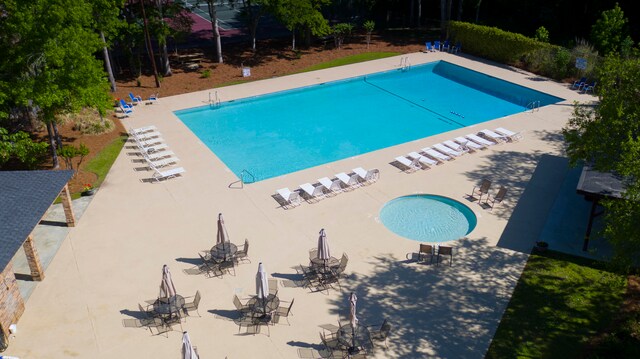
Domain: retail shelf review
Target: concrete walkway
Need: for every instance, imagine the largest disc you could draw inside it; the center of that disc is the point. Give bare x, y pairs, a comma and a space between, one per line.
112, 260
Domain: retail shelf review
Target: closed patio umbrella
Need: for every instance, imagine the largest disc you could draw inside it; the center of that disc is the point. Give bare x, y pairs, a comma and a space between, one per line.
323, 247
353, 299
187, 349
262, 284
223, 235
167, 289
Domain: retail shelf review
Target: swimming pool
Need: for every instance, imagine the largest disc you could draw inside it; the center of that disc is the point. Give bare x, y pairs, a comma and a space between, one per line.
428, 218
284, 132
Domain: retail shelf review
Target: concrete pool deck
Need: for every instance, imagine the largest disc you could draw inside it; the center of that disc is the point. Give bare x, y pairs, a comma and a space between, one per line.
112, 260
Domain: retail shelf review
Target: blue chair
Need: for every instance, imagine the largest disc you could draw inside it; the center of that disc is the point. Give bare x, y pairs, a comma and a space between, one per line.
430, 47
589, 87
135, 99
125, 105
436, 44
446, 46
154, 97
579, 83
456, 48
125, 108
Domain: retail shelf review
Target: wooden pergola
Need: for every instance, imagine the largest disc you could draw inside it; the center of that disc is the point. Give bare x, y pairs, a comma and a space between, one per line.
595, 186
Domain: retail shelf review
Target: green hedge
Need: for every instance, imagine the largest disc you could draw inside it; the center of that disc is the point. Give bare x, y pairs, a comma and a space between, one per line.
492, 43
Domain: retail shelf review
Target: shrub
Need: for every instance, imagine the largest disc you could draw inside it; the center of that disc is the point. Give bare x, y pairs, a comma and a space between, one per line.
206, 74
584, 50
542, 34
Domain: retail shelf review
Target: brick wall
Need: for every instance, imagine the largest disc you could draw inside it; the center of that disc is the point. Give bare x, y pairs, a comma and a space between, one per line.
11, 303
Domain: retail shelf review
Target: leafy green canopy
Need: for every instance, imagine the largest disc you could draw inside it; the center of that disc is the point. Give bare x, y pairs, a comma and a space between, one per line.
610, 34
20, 146
608, 135
48, 60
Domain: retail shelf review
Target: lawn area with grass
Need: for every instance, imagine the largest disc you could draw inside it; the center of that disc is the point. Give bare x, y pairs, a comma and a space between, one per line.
560, 302
350, 60
103, 161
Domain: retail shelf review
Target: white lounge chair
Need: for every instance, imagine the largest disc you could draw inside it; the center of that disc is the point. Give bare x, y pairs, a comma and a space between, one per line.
510, 135
469, 145
292, 199
349, 182
411, 165
479, 140
447, 151
162, 162
170, 173
436, 155
313, 193
426, 161
334, 186
147, 137
141, 130
456, 146
148, 143
490, 135
156, 149
369, 176
157, 155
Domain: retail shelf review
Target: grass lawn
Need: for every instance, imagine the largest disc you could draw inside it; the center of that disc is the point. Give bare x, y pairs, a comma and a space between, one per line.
560, 302
350, 60
102, 162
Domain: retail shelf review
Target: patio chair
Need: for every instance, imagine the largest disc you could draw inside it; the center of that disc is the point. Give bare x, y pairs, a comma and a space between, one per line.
161, 162
126, 110
273, 286
429, 47
479, 140
142, 130
490, 135
447, 151
154, 97
446, 46
164, 175
440, 157
510, 135
367, 177
481, 189
210, 268
445, 251
589, 87
148, 143
313, 253
241, 308
381, 333
456, 48
456, 147
349, 181
577, 85
283, 312
499, 197
469, 145
125, 105
436, 45
410, 165
332, 345
425, 162
193, 305
292, 199
156, 150
334, 187
424, 251
135, 99
243, 254
157, 155
313, 194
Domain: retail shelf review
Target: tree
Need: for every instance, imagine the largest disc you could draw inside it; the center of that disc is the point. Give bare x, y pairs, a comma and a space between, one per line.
49, 63
252, 11
213, 14
106, 14
301, 14
608, 136
19, 145
542, 34
368, 27
70, 152
610, 32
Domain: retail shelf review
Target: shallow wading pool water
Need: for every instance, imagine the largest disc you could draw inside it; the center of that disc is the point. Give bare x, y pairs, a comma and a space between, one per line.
279, 133
428, 218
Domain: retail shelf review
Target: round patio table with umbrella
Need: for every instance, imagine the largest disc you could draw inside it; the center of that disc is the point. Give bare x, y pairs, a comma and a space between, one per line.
224, 249
352, 335
263, 302
324, 261
168, 302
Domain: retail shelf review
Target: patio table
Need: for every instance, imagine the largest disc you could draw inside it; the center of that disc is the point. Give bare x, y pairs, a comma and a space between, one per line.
262, 308
167, 308
223, 252
322, 266
362, 338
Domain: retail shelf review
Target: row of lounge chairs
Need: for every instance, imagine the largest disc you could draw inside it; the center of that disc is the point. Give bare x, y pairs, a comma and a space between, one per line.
584, 86
451, 149
155, 152
127, 108
328, 187
444, 46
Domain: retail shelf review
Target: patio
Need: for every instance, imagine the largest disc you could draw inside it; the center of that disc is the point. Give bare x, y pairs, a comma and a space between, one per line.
111, 259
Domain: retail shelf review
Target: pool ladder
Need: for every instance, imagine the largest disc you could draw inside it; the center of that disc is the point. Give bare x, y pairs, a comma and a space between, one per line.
533, 106
214, 101
404, 63
242, 180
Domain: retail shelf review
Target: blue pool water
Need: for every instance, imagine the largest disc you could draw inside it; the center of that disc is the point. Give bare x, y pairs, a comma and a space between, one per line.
284, 132
428, 218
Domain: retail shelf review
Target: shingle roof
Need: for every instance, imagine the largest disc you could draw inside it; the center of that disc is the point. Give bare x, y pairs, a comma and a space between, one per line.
600, 184
25, 197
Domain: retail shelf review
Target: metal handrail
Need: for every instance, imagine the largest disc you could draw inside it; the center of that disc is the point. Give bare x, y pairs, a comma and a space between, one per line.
243, 172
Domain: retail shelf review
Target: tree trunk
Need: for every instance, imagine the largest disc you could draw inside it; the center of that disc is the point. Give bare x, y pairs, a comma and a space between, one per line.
446, 30
412, 5
443, 18
460, 2
216, 32
57, 135
164, 54
253, 30
478, 11
419, 13
107, 63
52, 145
293, 40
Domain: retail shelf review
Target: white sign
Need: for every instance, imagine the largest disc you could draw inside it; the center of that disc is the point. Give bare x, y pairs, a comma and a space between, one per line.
246, 71
581, 63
